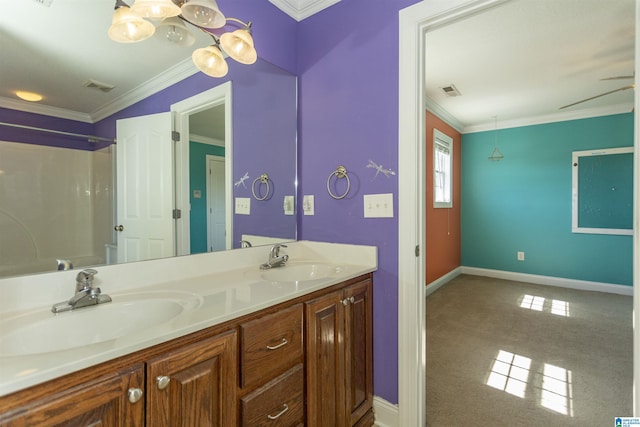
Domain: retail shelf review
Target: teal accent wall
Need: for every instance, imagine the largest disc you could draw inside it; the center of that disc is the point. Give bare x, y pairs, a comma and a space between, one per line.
523, 203
198, 181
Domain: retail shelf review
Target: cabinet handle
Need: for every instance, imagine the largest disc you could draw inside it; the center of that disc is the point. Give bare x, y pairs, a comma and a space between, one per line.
163, 381
279, 414
134, 394
275, 347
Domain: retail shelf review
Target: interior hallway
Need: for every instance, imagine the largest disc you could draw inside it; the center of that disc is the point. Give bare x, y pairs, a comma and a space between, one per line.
511, 353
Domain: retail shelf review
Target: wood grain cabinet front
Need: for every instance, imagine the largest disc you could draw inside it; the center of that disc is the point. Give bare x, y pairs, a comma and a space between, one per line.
194, 385
112, 401
339, 332
280, 402
270, 344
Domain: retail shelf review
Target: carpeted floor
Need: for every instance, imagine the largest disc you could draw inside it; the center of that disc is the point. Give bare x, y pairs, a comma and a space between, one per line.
502, 353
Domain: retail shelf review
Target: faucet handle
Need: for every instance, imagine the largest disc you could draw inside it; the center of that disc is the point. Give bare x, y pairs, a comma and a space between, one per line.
85, 277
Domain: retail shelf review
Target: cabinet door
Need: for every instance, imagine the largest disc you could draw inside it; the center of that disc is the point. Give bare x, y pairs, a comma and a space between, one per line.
358, 339
100, 402
194, 385
325, 361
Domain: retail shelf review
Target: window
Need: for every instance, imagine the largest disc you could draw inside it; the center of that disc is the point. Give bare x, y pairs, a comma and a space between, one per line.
442, 169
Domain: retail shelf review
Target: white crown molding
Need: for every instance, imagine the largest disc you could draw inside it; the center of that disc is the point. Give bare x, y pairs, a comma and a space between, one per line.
206, 140
173, 75
552, 118
435, 108
30, 107
301, 9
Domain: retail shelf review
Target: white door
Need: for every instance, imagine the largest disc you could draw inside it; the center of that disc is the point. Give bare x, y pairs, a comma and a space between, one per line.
216, 220
145, 188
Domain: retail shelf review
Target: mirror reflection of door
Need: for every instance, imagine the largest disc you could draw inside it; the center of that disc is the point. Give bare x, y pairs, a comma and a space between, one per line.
145, 225
215, 204
207, 173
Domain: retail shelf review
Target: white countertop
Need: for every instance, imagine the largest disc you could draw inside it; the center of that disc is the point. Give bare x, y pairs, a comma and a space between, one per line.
219, 286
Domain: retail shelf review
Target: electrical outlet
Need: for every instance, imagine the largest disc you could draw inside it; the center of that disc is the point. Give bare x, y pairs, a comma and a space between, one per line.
520, 256
378, 205
243, 206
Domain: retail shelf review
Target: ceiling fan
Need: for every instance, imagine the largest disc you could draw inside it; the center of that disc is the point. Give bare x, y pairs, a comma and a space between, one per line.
631, 86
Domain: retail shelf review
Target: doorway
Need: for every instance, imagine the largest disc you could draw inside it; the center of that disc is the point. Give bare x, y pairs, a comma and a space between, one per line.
414, 22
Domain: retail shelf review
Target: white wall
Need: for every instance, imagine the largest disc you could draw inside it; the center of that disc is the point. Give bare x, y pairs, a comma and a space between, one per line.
54, 203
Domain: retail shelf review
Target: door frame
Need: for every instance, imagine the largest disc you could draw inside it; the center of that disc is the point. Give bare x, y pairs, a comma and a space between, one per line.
181, 111
414, 21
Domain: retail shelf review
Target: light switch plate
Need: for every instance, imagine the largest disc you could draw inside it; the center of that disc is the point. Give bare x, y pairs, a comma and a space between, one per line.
378, 205
288, 205
308, 205
243, 206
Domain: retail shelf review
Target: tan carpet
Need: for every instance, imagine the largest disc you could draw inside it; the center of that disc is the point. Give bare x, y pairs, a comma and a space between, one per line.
502, 353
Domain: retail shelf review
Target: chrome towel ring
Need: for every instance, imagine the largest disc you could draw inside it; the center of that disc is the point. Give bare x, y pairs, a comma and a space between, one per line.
340, 172
262, 179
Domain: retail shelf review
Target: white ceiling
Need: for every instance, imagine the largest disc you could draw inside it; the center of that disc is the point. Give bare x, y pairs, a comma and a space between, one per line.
524, 59
519, 61
55, 49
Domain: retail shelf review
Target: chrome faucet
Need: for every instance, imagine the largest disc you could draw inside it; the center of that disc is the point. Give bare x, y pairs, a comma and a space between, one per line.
86, 294
275, 260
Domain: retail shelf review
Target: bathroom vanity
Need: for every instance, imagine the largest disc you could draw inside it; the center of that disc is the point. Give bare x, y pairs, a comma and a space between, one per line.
289, 346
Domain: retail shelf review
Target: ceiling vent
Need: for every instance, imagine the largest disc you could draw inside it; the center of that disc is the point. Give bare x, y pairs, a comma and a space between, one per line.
450, 90
46, 3
94, 84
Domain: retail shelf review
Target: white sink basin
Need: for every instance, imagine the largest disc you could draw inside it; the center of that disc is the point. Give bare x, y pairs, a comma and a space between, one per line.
41, 331
302, 272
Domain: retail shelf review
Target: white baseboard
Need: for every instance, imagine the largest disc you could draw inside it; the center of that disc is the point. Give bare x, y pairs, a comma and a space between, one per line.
386, 414
443, 280
582, 285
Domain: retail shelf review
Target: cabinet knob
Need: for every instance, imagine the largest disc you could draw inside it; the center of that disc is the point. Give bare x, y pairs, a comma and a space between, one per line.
163, 381
119, 228
285, 408
348, 301
135, 394
352, 300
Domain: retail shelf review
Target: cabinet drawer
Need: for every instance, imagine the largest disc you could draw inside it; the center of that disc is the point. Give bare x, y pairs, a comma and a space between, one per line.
280, 402
270, 345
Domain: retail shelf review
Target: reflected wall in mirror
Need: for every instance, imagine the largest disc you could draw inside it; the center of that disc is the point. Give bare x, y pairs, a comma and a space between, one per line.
57, 192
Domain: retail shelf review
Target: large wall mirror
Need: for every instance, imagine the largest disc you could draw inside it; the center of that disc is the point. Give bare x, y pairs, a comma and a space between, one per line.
58, 193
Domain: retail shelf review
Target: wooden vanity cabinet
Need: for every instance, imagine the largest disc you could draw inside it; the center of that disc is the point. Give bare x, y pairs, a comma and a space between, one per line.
305, 362
339, 348
103, 401
194, 385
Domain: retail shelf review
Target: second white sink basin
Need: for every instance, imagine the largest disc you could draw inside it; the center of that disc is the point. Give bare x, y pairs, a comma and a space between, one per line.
300, 272
42, 331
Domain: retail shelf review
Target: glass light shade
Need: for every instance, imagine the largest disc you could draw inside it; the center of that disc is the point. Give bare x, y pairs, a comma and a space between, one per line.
28, 96
239, 46
210, 61
127, 27
203, 13
156, 9
173, 30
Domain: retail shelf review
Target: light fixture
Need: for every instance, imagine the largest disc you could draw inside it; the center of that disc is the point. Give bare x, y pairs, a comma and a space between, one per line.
173, 30
156, 10
28, 96
496, 155
210, 61
203, 13
129, 26
239, 44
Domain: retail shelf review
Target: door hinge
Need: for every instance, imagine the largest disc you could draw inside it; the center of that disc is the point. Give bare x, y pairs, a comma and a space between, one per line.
177, 214
175, 135
417, 251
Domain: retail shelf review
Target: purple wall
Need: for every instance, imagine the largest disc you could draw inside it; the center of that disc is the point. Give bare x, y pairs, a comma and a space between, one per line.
348, 115
14, 134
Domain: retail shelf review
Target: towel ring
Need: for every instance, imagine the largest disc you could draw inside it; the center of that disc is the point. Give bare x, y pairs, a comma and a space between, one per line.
340, 172
262, 179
